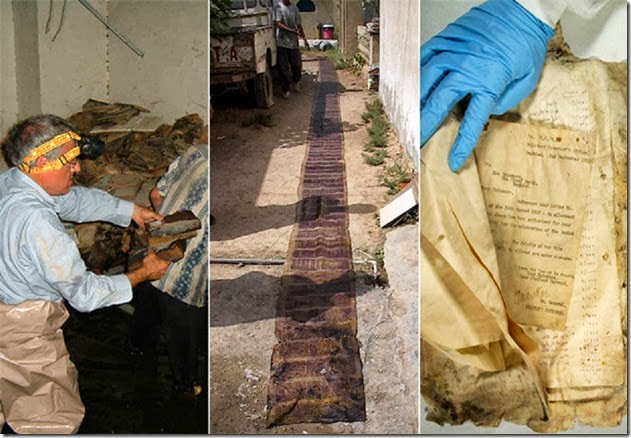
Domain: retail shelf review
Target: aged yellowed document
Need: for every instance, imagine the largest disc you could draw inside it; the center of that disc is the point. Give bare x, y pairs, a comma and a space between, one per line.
535, 182
523, 259
555, 250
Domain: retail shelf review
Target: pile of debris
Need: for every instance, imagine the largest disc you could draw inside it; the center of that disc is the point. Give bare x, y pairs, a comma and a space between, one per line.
168, 238
368, 48
139, 149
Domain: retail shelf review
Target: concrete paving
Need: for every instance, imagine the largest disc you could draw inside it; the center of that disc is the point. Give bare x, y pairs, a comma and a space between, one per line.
388, 329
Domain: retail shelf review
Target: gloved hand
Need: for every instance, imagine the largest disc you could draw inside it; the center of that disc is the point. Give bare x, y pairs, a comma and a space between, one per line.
495, 52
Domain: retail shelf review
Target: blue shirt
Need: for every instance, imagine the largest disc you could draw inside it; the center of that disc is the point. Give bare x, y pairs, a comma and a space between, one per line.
39, 260
185, 187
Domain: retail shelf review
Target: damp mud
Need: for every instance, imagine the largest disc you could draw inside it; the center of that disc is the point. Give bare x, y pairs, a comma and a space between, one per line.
125, 393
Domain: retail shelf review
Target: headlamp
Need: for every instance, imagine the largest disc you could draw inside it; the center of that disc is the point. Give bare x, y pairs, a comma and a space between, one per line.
89, 147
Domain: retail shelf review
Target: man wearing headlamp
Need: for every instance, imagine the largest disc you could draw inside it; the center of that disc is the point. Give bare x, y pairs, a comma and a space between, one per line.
40, 267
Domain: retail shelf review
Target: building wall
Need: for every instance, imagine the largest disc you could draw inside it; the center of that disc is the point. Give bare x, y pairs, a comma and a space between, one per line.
85, 60
399, 71
351, 16
73, 67
171, 79
8, 89
325, 13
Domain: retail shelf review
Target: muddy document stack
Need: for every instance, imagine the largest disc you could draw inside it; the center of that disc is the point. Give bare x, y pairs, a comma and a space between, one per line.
316, 373
139, 148
167, 238
523, 258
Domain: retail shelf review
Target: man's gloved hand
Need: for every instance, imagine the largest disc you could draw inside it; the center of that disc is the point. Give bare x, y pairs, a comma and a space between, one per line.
495, 52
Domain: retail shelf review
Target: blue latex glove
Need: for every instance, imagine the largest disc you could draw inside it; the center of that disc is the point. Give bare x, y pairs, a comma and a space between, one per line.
495, 52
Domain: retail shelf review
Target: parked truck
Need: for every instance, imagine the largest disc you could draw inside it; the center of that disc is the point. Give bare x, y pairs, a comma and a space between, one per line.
244, 54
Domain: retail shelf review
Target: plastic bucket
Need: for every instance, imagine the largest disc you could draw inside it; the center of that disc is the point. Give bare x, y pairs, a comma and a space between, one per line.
327, 31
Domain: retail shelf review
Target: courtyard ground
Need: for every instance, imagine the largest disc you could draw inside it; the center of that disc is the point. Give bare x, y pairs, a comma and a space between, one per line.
256, 162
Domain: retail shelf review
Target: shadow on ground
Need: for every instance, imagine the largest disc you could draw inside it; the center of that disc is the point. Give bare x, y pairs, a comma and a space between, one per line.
240, 157
253, 297
264, 218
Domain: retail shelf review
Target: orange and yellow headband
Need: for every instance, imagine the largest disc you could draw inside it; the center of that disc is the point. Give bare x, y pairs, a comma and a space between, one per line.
42, 149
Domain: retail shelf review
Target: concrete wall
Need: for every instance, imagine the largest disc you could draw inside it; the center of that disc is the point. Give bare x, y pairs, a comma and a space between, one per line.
73, 67
325, 13
399, 71
351, 16
171, 79
85, 60
8, 89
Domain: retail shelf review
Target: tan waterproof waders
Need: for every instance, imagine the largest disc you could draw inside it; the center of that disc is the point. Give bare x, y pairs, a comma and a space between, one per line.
39, 391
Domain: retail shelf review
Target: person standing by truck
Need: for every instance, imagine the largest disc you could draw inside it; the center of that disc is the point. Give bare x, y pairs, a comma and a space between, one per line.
288, 59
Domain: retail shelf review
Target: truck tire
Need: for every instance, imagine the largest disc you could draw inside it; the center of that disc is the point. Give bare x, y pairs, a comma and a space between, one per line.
264, 89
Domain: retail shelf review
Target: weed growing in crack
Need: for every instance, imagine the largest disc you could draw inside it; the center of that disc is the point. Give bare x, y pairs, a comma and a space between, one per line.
411, 217
375, 158
357, 63
353, 64
378, 133
337, 59
373, 109
395, 178
382, 275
